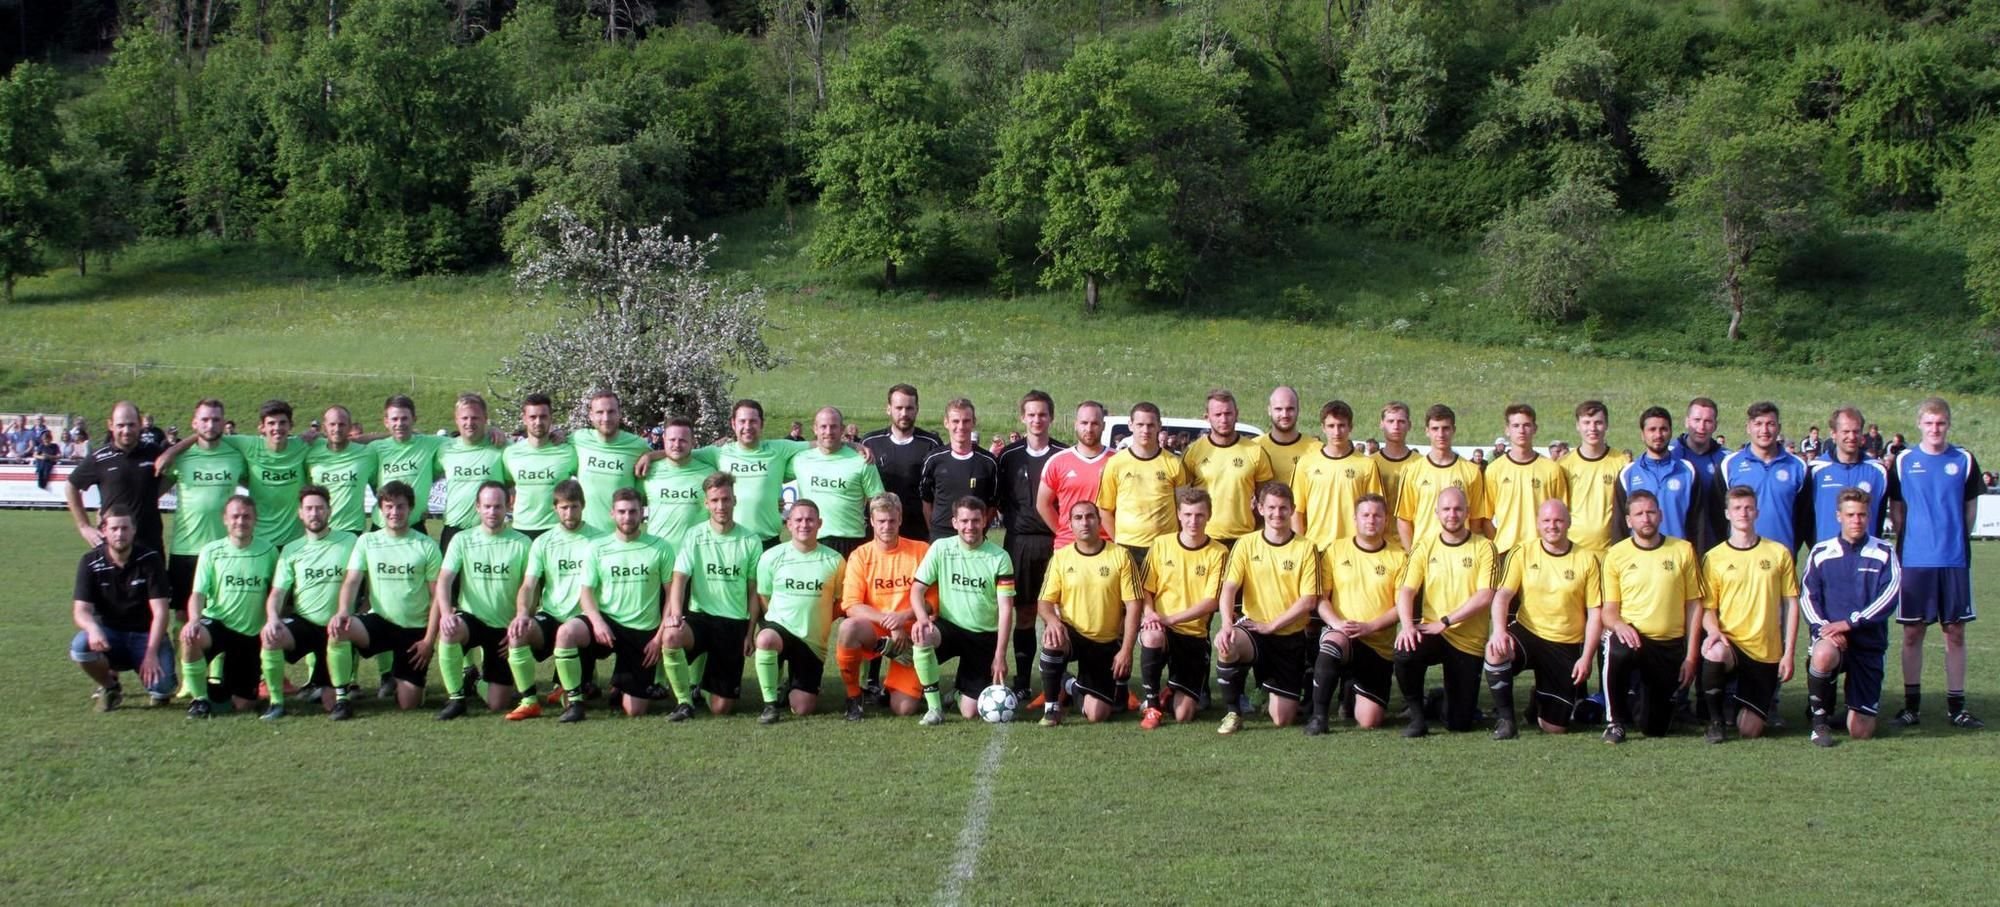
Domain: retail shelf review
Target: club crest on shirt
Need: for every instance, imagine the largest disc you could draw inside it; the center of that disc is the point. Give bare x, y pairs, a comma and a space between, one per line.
1290, 565
1764, 564
1380, 570
1784, 475
1569, 574
1465, 562
1673, 484
1349, 472
1104, 571
1199, 569
1951, 469
1236, 462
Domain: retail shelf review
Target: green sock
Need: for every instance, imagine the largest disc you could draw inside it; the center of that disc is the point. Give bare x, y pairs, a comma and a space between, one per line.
385, 662
197, 674
215, 668
678, 675
274, 674
660, 673
340, 666
767, 674
521, 661
311, 662
451, 664
699, 667
925, 661
569, 672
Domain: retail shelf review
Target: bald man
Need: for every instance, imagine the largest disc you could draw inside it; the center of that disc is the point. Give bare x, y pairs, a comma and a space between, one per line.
1284, 443
1443, 610
1551, 586
122, 472
839, 479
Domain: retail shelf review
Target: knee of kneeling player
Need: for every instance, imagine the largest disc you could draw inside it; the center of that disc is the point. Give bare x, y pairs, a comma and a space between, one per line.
768, 640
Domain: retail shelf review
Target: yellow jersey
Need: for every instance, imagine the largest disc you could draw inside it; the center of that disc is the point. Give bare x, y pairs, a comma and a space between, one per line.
1515, 492
1090, 590
1271, 578
1231, 474
1285, 457
1361, 585
1594, 494
1653, 586
1746, 590
1423, 481
1180, 578
1325, 489
1139, 492
1448, 576
1390, 472
1553, 593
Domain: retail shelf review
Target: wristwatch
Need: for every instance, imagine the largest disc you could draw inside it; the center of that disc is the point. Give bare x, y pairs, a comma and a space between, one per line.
1446, 620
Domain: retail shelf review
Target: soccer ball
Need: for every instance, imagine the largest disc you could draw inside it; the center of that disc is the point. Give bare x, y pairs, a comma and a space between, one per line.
997, 704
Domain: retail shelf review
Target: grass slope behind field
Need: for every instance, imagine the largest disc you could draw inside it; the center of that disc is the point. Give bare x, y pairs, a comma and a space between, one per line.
397, 808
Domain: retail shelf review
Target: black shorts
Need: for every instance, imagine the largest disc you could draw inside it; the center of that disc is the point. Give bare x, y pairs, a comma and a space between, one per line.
243, 665
843, 545
385, 636
1280, 662
1094, 674
445, 535
180, 576
1030, 554
478, 634
974, 650
1556, 694
308, 638
1138, 553
549, 627
801, 664
532, 534
1756, 683
1373, 676
629, 674
721, 639
1187, 663
1861, 662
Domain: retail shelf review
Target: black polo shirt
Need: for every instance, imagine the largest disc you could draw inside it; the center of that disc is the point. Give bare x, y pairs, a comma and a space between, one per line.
123, 595
122, 478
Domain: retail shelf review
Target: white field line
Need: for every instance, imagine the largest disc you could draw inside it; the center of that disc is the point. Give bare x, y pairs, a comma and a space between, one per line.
972, 834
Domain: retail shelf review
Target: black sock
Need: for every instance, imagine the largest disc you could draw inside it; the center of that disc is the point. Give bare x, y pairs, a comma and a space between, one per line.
1024, 655
1053, 666
1151, 660
1500, 681
875, 670
1410, 679
1819, 697
1714, 678
1913, 696
1326, 677
1229, 676
1954, 701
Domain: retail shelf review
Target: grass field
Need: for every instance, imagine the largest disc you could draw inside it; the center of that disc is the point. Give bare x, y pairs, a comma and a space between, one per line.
146, 805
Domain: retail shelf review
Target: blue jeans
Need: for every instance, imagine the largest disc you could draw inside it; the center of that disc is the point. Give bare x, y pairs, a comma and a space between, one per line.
128, 649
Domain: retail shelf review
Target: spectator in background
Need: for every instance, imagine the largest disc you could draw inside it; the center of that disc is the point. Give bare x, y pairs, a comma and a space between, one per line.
1871, 441
151, 435
1809, 448
46, 453
79, 441
1558, 450
229, 427
1371, 447
1479, 458
22, 438
1897, 445
852, 433
173, 434
798, 432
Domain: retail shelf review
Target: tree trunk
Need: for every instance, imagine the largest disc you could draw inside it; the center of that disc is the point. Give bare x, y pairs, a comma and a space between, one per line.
1733, 282
7, 290
83, 262
1739, 248
889, 272
1090, 294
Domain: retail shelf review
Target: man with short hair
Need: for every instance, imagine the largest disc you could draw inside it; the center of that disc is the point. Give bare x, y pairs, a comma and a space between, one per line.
1284, 444
535, 465
1359, 575
1392, 455
712, 604
1850, 588
1440, 468
345, 468
1229, 468
974, 614
1552, 589
1074, 473
1750, 619
1274, 574
672, 482
759, 465
1934, 496
399, 566
1454, 571
960, 470
1843, 464
1180, 587
120, 602
1596, 500
309, 575
1778, 476
799, 583
204, 477
1331, 481
1089, 607
467, 462
607, 458
839, 479
407, 456
1519, 480
232, 578
1671, 480
1136, 494
625, 577
122, 471
899, 451
478, 587
550, 595
1031, 540
1651, 609
1703, 450
875, 597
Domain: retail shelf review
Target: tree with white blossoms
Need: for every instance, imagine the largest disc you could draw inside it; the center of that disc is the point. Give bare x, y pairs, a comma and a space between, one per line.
639, 315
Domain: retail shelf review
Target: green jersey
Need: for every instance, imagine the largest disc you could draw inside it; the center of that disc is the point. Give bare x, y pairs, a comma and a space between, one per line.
234, 582
799, 589
274, 478
400, 572
841, 484
345, 474
204, 480
312, 570
969, 582
414, 463
558, 559
760, 481
629, 579
535, 471
604, 467
489, 567
464, 467
721, 568
675, 501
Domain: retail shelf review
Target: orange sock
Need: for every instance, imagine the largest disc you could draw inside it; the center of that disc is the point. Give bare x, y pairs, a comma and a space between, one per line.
850, 659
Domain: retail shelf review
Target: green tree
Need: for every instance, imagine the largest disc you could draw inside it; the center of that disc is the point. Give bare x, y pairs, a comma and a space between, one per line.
1746, 173
879, 152
98, 196
1394, 81
1543, 252
1129, 164
1562, 107
1897, 105
30, 141
1972, 201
